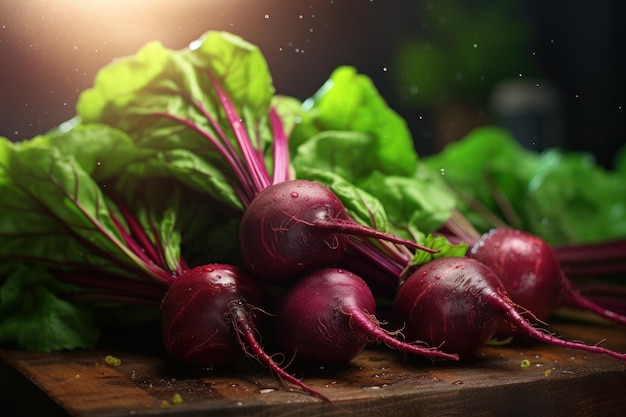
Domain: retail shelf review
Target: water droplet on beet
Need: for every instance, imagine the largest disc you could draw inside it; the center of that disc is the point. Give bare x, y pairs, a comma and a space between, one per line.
294, 194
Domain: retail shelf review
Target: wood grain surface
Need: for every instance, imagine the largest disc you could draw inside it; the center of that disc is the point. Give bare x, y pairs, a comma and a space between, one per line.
380, 382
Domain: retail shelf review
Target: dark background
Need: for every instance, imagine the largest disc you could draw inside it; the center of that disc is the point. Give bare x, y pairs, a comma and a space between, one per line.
438, 63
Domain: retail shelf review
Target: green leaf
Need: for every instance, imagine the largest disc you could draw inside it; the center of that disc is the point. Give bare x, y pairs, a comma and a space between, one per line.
444, 246
187, 168
487, 166
57, 214
27, 228
416, 204
348, 154
239, 65
148, 94
102, 152
349, 102
117, 85
571, 199
35, 316
68, 193
564, 197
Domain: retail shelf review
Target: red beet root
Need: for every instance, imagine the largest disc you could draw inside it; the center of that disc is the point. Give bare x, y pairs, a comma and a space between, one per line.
296, 226
532, 275
457, 304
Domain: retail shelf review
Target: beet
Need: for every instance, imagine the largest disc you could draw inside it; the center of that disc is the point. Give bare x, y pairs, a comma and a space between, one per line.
457, 303
526, 265
530, 271
327, 317
204, 309
295, 226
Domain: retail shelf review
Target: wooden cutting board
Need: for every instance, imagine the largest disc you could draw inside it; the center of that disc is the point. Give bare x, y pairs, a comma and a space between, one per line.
380, 382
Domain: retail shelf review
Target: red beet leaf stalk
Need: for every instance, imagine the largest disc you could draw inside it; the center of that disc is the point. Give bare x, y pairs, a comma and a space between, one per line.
593, 259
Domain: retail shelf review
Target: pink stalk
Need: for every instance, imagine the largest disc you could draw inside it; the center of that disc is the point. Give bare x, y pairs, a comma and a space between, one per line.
281, 149
256, 167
